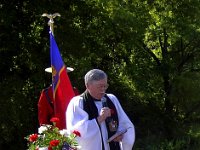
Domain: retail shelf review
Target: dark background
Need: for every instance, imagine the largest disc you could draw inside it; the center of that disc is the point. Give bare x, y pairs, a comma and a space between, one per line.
149, 49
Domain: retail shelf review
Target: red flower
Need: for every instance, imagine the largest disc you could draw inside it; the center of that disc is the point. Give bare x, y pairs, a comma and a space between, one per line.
49, 148
77, 133
54, 142
112, 111
33, 137
55, 119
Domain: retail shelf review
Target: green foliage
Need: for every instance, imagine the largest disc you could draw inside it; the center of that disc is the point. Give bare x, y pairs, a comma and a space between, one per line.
156, 143
150, 50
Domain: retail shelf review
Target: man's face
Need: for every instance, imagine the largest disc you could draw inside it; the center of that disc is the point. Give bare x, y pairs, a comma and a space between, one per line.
97, 89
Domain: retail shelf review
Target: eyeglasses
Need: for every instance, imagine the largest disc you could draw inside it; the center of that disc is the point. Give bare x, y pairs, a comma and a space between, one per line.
100, 86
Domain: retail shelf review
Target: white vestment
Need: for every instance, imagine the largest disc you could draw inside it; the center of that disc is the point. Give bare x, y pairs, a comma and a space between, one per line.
78, 119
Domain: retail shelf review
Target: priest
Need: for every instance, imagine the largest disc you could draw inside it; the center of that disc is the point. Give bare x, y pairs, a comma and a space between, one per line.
98, 116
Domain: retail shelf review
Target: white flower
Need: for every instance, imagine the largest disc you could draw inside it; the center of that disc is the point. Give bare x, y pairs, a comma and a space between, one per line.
43, 148
43, 128
78, 147
65, 132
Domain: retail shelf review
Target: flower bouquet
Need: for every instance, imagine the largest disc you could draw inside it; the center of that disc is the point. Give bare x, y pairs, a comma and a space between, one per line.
51, 138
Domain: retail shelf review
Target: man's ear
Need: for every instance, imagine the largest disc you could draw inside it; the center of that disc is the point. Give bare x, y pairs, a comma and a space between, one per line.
87, 85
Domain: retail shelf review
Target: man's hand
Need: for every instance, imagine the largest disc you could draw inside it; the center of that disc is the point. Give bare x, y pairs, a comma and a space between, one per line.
105, 113
118, 138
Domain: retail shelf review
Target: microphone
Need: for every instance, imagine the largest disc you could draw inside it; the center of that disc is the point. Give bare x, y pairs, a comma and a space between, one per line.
109, 120
104, 102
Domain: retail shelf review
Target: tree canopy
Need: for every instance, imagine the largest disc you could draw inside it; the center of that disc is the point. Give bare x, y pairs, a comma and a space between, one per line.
149, 49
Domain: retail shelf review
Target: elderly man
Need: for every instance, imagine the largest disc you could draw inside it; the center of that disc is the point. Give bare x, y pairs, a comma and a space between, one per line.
98, 116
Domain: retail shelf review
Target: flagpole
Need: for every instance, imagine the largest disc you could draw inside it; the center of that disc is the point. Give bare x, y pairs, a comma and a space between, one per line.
51, 24
51, 21
60, 80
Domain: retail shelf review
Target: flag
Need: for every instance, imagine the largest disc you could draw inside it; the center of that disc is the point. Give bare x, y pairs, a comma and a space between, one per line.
62, 88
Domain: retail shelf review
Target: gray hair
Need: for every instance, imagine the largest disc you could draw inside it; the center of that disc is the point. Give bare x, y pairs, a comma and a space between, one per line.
94, 75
